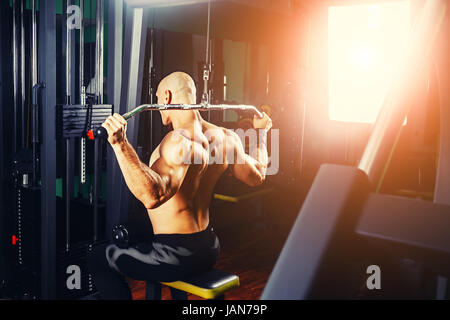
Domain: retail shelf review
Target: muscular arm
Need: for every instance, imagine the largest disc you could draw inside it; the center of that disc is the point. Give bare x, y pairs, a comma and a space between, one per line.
147, 185
153, 185
248, 169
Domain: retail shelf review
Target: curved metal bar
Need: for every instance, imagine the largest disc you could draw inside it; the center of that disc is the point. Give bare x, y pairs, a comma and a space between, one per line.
204, 107
102, 134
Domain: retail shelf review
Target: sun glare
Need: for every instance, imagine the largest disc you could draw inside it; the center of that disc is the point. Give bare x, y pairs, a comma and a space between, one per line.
365, 45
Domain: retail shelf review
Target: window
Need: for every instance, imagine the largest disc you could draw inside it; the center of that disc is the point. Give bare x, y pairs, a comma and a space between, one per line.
365, 45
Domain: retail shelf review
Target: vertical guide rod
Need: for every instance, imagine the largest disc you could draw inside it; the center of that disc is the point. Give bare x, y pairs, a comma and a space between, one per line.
68, 178
82, 97
97, 166
15, 74
22, 73
99, 95
207, 68
150, 82
101, 47
35, 88
115, 50
99, 51
47, 75
67, 193
34, 66
82, 88
68, 57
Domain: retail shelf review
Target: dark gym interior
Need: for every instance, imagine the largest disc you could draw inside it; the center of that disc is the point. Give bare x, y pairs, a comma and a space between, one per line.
359, 95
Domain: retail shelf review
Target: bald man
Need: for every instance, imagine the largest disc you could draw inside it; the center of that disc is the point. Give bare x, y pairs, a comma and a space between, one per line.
176, 189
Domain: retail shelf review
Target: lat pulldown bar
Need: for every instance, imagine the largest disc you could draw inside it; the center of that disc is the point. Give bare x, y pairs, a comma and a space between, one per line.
101, 132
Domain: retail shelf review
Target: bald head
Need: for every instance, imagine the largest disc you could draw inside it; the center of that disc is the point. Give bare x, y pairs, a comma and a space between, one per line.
177, 88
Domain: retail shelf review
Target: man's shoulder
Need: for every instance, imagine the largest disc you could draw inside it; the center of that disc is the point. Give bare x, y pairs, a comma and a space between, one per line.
212, 129
178, 147
175, 137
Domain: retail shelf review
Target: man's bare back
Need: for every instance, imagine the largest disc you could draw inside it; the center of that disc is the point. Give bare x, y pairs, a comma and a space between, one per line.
188, 210
176, 186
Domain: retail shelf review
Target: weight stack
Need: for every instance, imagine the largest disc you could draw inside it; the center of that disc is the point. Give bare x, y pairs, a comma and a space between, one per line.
74, 121
66, 274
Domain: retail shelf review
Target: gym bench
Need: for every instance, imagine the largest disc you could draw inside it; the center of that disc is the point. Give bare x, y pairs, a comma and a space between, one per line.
211, 285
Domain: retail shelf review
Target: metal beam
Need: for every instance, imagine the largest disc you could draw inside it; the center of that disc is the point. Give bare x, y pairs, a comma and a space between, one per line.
23, 86
133, 60
47, 74
442, 187
114, 88
387, 128
133, 69
15, 54
99, 51
3, 98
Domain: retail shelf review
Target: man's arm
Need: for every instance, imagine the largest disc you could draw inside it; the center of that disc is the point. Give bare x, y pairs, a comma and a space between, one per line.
156, 185
249, 170
148, 186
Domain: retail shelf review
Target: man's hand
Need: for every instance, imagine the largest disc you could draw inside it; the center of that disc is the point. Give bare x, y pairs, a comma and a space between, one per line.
264, 123
116, 126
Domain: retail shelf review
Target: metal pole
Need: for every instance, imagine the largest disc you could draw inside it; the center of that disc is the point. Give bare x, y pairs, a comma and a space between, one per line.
4, 25
35, 131
101, 47
150, 82
99, 95
387, 128
47, 74
35, 88
210, 70
207, 68
115, 49
22, 73
34, 68
82, 88
68, 177
207, 32
99, 50
133, 70
67, 192
82, 98
15, 74
68, 58
97, 162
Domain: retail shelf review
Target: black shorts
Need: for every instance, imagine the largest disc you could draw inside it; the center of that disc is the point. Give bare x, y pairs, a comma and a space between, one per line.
169, 257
